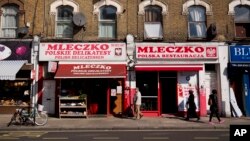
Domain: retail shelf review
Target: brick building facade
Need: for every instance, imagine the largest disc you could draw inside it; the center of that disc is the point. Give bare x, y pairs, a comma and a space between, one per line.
163, 24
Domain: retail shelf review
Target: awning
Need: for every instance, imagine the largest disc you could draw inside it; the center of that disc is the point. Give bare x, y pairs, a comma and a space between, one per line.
90, 70
168, 67
9, 69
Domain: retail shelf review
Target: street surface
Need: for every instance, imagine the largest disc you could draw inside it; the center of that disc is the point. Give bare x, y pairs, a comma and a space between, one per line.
117, 135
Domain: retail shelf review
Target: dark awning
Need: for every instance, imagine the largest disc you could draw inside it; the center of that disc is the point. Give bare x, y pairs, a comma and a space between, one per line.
90, 70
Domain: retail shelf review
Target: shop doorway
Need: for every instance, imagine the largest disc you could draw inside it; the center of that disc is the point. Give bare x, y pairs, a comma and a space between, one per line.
168, 84
48, 98
97, 97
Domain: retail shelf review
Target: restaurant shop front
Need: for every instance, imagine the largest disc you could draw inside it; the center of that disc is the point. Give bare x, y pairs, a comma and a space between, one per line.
165, 72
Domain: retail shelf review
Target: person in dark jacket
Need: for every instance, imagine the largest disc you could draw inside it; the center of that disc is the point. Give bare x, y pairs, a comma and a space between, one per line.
213, 102
191, 112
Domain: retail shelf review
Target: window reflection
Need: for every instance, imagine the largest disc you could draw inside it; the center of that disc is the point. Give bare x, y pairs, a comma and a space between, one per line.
148, 88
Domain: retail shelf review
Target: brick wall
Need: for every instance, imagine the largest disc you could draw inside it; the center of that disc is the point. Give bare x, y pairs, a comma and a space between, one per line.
37, 13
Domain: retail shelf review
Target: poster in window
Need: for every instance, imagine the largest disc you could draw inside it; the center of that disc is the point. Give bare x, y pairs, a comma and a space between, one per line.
119, 90
113, 92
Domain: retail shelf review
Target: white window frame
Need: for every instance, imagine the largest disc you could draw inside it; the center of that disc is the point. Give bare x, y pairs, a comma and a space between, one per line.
200, 27
146, 3
235, 3
150, 24
66, 22
14, 28
57, 3
102, 34
189, 3
96, 11
245, 23
115, 3
231, 11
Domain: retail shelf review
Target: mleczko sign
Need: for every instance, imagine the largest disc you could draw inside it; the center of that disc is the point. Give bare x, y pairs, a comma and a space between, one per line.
165, 51
92, 69
82, 51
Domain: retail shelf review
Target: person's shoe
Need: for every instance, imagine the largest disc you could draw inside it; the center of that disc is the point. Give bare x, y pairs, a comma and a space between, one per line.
198, 118
141, 116
211, 123
222, 121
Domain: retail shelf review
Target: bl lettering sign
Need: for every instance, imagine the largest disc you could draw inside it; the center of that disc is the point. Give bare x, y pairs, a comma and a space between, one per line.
239, 132
239, 54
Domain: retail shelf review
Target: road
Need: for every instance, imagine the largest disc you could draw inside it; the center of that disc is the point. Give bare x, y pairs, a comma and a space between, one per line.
118, 135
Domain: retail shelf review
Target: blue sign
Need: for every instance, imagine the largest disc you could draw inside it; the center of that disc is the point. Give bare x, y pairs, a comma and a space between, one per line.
240, 53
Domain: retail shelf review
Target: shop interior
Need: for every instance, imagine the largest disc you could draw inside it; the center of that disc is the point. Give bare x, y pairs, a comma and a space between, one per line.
98, 92
14, 93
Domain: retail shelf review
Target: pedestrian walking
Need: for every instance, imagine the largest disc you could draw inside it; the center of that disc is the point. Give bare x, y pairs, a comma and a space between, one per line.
213, 102
137, 103
191, 112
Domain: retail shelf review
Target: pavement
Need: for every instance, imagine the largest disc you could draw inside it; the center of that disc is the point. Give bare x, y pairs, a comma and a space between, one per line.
116, 123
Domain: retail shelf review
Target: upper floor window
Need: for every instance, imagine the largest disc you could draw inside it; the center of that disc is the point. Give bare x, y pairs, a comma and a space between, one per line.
197, 22
107, 22
242, 21
9, 21
64, 24
153, 22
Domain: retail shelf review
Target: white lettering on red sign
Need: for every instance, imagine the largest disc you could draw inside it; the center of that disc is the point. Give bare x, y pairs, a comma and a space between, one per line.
171, 49
92, 66
91, 69
158, 52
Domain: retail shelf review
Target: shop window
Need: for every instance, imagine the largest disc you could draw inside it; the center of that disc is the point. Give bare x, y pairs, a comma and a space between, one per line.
197, 22
9, 21
148, 88
107, 22
242, 21
64, 24
14, 93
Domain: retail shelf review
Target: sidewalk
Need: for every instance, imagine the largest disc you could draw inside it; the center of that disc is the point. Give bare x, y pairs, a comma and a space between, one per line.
113, 123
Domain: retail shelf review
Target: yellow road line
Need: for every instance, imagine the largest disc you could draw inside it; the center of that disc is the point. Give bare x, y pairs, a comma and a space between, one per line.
155, 138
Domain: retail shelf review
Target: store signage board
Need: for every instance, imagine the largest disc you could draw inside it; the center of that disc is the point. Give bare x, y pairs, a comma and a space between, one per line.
82, 51
5, 52
15, 50
171, 51
91, 70
240, 54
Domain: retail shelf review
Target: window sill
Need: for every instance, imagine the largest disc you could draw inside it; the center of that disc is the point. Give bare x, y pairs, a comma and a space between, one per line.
106, 39
197, 39
242, 38
153, 39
